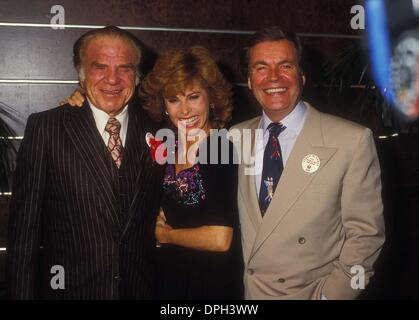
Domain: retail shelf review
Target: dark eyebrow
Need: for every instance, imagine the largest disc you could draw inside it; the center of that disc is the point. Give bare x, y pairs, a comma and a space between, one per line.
128, 65
263, 63
97, 64
259, 63
287, 61
194, 92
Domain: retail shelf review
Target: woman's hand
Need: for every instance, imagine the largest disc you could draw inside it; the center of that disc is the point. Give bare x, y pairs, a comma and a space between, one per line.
162, 228
76, 99
161, 218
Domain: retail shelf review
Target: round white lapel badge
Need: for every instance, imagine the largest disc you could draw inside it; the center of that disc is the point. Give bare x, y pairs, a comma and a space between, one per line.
311, 163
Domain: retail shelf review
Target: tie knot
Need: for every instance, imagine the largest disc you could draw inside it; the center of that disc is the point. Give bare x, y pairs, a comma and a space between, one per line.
113, 126
275, 128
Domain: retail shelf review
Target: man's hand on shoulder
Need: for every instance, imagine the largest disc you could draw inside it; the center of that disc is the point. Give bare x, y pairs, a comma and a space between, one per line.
76, 99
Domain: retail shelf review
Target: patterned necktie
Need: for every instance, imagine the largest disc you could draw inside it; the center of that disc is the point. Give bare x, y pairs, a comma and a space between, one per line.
115, 143
272, 167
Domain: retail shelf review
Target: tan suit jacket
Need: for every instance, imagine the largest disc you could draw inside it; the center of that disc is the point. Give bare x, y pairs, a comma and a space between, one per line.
318, 225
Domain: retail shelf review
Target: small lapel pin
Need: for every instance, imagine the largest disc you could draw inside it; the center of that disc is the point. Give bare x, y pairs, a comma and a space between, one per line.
311, 163
157, 154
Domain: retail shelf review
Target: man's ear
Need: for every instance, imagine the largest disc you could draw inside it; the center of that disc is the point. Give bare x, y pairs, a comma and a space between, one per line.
249, 84
82, 76
80, 73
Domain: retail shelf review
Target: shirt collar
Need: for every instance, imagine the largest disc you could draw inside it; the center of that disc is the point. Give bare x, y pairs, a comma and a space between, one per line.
294, 121
101, 117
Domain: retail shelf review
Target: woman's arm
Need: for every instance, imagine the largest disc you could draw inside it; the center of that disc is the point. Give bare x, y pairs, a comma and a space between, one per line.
206, 238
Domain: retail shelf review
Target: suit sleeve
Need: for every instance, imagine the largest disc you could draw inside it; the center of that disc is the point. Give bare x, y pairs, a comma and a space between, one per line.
25, 213
363, 222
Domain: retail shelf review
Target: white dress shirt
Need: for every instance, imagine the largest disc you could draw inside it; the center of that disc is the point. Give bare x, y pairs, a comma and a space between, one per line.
101, 119
293, 122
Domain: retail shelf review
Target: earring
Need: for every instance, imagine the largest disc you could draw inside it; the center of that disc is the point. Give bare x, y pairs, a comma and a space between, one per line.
166, 113
212, 106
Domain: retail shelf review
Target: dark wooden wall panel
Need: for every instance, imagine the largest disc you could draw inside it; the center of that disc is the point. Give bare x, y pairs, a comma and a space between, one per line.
320, 16
32, 53
30, 98
325, 16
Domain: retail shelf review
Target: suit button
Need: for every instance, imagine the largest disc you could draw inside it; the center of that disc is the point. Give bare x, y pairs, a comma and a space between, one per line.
117, 278
281, 280
250, 271
302, 240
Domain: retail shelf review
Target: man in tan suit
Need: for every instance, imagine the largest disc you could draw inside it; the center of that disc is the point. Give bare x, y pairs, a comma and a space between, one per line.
322, 227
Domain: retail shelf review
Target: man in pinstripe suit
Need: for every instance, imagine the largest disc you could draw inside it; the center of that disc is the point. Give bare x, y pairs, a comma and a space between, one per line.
86, 194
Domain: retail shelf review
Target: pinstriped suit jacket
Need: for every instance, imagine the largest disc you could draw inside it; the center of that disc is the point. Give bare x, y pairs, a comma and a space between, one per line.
64, 200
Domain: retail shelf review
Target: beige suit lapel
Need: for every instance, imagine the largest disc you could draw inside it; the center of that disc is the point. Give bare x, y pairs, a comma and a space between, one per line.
246, 178
294, 179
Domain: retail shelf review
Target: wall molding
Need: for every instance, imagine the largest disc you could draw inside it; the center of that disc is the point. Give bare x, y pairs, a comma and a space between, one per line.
46, 81
168, 29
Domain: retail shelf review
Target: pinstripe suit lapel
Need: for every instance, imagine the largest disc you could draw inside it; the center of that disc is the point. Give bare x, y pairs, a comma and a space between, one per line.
82, 131
136, 157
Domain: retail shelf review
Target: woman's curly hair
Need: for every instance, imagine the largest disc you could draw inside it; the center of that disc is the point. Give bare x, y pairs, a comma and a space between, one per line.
175, 70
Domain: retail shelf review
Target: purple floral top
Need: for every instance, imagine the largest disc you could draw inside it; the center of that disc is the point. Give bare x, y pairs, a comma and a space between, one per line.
185, 187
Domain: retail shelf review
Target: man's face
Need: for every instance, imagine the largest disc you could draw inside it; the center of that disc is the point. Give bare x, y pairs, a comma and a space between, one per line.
109, 66
275, 77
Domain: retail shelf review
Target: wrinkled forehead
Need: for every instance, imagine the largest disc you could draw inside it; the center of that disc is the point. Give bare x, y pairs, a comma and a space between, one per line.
112, 46
274, 51
278, 49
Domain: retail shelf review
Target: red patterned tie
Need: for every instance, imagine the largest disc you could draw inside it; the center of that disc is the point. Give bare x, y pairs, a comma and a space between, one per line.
115, 143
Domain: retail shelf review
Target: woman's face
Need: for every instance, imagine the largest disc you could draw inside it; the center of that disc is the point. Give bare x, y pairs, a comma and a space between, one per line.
189, 110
